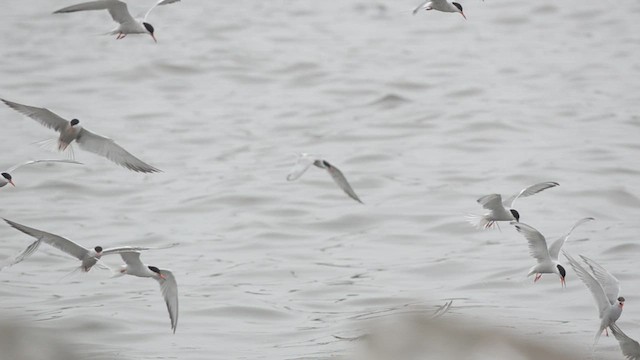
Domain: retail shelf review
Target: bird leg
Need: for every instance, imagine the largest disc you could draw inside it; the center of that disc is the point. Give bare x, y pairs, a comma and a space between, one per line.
538, 276
606, 331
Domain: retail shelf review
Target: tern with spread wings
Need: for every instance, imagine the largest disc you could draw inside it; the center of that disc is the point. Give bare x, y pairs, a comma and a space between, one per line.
7, 178
72, 131
440, 5
120, 14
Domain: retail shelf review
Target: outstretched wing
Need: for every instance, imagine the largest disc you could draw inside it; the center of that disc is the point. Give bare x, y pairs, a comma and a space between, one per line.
108, 148
609, 283
592, 284
554, 249
341, 180
491, 202
169, 288
15, 167
422, 5
528, 191
303, 163
41, 115
161, 2
537, 243
630, 348
56, 241
22, 255
117, 9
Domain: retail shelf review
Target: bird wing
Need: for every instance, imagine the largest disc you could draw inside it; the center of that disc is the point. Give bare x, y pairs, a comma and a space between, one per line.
594, 286
303, 163
56, 241
108, 148
537, 243
161, 2
630, 348
123, 249
22, 255
15, 167
422, 5
342, 182
528, 191
491, 202
169, 288
132, 259
554, 249
117, 9
41, 115
608, 282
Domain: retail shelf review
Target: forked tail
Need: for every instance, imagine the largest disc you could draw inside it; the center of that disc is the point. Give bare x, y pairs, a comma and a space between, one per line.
480, 221
53, 145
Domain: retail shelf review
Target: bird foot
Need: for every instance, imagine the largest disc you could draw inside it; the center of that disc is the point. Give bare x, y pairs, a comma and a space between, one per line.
538, 276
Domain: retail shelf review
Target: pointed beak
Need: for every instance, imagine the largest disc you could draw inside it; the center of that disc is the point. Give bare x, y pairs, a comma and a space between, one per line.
154, 38
11, 182
463, 15
563, 283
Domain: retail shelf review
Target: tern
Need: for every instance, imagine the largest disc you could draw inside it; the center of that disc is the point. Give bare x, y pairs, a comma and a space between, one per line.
168, 284
630, 348
88, 257
306, 160
440, 5
547, 257
604, 288
120, 14
71, 130
7, 178
502, 210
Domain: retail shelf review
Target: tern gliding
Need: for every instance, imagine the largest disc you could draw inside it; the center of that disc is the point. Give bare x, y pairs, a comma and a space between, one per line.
7, 178
440, 5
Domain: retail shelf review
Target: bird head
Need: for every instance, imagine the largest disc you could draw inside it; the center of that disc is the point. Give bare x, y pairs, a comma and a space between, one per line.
75, 122
459, 9
563, 274
8, 177
150, 29
98, 249
621, 301
515, 214
157, 271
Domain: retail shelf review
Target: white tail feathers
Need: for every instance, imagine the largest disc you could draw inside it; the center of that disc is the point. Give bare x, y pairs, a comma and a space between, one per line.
117, 272
480, 221
52, 145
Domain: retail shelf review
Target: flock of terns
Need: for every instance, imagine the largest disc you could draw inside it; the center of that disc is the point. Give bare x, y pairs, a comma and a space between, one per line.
604, 287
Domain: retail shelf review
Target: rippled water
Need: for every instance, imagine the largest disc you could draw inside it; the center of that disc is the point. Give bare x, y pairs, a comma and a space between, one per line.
424, 114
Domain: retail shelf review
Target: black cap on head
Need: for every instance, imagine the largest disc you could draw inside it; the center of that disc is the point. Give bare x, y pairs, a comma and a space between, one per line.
98, 249
75, 122
457, 5
148, 27
515, 214
6, 176
154, 269
563, 273
621, 299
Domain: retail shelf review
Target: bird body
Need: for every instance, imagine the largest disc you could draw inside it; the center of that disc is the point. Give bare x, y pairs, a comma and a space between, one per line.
440, 5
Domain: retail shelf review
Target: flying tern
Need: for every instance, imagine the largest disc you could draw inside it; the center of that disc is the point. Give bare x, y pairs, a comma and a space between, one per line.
120, 14
168, 284
502, 210
604, 288
630, 348
7, 178
306, 160
440, 5
547, 258
71, 130
88, 257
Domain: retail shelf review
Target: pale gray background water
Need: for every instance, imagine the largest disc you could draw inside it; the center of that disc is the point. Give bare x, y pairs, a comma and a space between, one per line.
424, 114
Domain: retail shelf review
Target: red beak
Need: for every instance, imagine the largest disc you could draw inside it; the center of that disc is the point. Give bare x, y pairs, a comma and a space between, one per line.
11, 182
563, 283
154, 38
463, 15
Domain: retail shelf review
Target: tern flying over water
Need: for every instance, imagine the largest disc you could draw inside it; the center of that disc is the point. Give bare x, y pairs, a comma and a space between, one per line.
168, 284
306, 160
547, 257
498, 207
120, 14
604, 288
630, 348
440, 5
71, 130
7, 178
89, 257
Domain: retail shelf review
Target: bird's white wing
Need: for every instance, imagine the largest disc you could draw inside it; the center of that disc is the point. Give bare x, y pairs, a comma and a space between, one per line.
537, 243
161, 2
422, 5
609, 283
121, 249
169, 288
15, 167
592, 284
132, 259
528, 191
554, 249
630, 348
22, 255
56, 241
491, 202
108, 148
117, 9
303, 163
342, 182
41, 115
